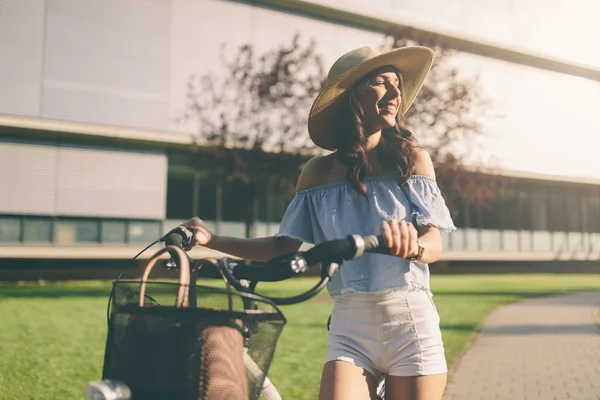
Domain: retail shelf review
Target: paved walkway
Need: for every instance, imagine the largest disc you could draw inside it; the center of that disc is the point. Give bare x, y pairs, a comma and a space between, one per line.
539, 349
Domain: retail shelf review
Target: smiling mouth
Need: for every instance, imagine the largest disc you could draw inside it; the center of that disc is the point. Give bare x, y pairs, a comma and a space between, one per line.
390, 109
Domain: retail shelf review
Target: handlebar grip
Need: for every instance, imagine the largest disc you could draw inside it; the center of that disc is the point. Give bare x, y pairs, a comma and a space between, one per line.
375, 244
174, 239
179, 236
352, 247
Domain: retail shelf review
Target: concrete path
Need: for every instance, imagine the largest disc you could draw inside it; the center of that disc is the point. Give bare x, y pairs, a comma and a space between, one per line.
539, 349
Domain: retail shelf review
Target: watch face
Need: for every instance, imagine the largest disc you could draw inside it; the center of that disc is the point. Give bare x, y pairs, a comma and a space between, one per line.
419, 254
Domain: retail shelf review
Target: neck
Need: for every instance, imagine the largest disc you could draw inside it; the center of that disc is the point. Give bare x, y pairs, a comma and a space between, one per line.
373, 140
373, 155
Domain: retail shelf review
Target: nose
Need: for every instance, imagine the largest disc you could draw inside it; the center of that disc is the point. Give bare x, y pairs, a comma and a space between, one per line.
393, 91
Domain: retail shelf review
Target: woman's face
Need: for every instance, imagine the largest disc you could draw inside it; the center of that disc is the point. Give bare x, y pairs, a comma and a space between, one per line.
380, 100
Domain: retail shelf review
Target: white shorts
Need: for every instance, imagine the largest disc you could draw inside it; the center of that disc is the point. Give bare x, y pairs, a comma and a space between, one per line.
395, 333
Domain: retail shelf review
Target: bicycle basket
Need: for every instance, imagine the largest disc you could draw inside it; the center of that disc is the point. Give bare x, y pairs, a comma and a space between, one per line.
217, 345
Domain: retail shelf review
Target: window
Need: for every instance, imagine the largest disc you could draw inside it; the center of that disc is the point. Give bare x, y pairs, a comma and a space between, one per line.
280, 205
593, 212
10, 229
525, 209
112, 231
207, 199
510, 210
144, 231
574, 211
557, 211
87, 231
492, 215
539, 211
69, 231
180, 197
37, 230
237, 201
460, 215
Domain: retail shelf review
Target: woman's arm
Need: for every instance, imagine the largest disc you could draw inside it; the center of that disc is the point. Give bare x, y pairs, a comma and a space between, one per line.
429, 236
431, 239
257, 249
402, 237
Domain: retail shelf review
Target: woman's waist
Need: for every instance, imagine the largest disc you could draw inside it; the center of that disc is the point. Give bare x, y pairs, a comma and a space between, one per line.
377, 273
383, 303
375, 292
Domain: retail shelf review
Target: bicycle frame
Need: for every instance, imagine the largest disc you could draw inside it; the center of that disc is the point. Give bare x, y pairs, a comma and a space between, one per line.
268, 391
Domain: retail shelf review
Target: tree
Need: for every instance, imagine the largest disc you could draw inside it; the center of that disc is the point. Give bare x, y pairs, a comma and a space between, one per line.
254, 114
447, 118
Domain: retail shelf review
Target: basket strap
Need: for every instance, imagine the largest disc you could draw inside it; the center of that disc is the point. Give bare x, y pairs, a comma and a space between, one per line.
181, 259
194, 271
192, 299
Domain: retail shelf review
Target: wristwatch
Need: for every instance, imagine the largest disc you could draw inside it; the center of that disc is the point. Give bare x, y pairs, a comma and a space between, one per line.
419, 254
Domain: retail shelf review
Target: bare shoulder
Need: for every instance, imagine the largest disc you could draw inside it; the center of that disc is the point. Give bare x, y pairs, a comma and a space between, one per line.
318, 171
423, 163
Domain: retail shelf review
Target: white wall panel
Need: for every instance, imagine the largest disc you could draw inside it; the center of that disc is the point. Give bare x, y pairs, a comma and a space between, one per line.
65, 180
111, 183
107, 62
27, 178
21, 42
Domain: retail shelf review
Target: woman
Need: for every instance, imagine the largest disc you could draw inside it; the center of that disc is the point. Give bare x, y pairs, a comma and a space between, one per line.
384, 323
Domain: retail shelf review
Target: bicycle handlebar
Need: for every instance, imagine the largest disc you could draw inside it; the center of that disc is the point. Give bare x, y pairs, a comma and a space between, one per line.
330, 254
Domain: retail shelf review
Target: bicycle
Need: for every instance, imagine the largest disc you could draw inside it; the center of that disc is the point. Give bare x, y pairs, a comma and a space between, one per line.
329, 255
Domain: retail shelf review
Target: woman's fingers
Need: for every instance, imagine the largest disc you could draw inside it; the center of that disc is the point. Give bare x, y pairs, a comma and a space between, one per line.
386, 234
400, 237
201, 234
396, 237
404, 239
191, 223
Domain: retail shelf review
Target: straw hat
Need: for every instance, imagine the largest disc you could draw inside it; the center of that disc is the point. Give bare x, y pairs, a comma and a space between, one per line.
413, 62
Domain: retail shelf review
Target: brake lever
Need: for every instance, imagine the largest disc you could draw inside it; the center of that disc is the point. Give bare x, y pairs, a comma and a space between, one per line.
226, 266
171, 265
330, 269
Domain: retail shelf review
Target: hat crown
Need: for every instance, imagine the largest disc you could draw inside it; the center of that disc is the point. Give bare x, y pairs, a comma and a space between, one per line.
350, 60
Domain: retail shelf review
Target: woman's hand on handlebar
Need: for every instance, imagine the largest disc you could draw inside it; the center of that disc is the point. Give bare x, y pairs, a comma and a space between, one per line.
202, 235
401, 237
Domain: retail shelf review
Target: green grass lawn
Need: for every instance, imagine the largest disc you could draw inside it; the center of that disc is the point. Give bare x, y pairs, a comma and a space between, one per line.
52, 336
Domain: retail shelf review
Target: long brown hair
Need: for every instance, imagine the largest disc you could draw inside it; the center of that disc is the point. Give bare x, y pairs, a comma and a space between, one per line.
396, 149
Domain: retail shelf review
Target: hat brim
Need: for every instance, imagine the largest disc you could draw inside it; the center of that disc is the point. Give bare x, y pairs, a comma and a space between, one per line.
413, 63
